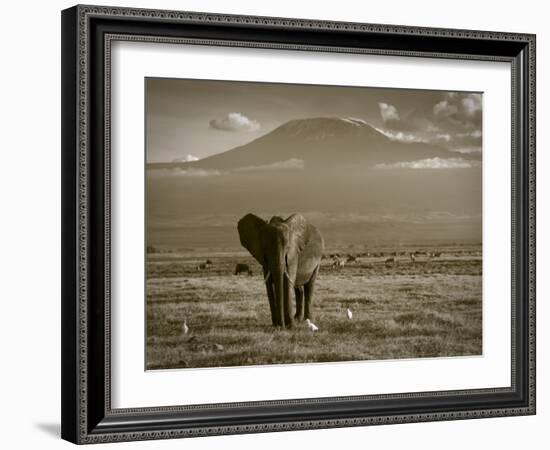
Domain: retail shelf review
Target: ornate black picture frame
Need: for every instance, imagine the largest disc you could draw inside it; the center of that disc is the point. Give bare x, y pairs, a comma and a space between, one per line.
87, 34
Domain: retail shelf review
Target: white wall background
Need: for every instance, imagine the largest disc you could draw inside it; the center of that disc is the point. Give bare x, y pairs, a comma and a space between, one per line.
30, 225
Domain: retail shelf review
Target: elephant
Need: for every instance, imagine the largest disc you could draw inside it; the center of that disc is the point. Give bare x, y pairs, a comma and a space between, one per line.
289, 251
242, 268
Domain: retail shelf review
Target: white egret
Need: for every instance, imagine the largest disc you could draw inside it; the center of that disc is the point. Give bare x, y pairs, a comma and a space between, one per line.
311, 326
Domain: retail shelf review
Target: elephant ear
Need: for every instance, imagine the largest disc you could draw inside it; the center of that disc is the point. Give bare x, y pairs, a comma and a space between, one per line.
298, 228
250, 228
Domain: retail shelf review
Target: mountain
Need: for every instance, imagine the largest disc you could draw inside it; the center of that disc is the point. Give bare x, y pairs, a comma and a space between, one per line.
320, 142
337, 186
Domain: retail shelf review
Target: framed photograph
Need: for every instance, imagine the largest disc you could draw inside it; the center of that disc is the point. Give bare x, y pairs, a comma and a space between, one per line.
278, 224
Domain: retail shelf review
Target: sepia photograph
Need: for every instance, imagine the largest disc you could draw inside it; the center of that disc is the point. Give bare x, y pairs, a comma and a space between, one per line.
293, 223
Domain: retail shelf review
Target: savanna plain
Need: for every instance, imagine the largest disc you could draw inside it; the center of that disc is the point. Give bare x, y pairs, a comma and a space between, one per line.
201, 314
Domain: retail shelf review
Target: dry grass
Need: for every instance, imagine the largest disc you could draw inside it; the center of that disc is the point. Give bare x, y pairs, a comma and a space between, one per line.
430, 308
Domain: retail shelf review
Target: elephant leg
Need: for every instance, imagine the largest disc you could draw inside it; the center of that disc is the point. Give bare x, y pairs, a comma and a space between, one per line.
309, 289
272, 303
299, 292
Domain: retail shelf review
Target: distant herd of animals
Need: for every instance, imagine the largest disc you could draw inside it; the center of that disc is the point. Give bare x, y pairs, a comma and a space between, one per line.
290, 252
243, 268
205, 265
340, 261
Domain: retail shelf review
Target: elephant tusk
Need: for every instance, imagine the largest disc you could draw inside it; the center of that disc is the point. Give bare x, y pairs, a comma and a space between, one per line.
288, 278
267, 277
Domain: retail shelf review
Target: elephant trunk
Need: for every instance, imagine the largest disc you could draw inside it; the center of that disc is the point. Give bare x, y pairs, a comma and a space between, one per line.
282, 289
270, 296
278, 284
286, 300
282, 285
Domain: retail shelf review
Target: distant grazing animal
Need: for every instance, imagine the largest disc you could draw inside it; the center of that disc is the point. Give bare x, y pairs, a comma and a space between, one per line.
311, 326
390, 261
202, 266
209, 262
351, 258
339, 263
242, 268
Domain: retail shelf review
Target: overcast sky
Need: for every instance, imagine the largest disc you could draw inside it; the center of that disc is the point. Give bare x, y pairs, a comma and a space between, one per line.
192, 119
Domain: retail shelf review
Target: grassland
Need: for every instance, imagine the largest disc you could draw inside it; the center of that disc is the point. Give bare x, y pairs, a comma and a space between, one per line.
428, 308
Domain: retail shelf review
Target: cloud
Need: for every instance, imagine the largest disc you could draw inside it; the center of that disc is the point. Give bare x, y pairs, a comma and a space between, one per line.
461, 142
402, 136
191, 172
354, 121
388, 112
289, 164
186, 158
466, 150
445, 108
471, 104
452, 121
178, 172
470, 134
196, 173
235, 122
423, 137
468, 140
432, 163
458, 110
